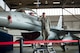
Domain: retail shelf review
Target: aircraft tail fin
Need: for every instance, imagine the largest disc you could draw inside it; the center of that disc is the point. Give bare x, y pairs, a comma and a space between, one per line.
60, 23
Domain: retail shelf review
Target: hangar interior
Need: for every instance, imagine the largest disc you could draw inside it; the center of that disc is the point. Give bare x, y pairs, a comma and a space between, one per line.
71, 21
68, 9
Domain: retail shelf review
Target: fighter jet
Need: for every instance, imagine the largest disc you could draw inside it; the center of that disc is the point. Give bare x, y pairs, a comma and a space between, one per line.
27, 19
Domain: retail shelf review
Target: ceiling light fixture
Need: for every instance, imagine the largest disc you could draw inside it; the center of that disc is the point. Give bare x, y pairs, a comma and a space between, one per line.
20, 3
37, 2
72, 2
56, 2
46, 2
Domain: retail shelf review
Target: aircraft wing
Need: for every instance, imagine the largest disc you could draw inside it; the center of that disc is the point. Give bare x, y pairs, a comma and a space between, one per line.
66, 31
72, 31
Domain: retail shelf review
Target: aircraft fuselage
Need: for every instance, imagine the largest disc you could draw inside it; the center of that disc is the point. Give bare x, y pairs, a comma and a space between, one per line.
20, 21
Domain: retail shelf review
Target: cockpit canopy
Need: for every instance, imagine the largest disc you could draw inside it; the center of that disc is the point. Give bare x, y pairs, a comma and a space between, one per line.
27, 11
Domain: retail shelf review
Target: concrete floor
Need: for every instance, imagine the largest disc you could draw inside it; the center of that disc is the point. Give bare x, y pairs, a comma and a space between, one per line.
71, 49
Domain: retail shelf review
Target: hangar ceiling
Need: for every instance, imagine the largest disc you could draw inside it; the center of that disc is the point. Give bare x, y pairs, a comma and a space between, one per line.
14, 4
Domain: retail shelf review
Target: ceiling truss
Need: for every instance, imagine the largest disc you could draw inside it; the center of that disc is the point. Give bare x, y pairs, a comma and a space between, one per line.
14, 4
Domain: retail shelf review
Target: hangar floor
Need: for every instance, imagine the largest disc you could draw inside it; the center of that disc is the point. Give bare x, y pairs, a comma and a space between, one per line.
71, 49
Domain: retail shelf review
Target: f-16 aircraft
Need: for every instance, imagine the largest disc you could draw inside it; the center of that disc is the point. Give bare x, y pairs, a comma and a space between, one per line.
22, 19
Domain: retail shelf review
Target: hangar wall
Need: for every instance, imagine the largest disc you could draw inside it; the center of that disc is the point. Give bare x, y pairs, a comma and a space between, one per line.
70, 22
